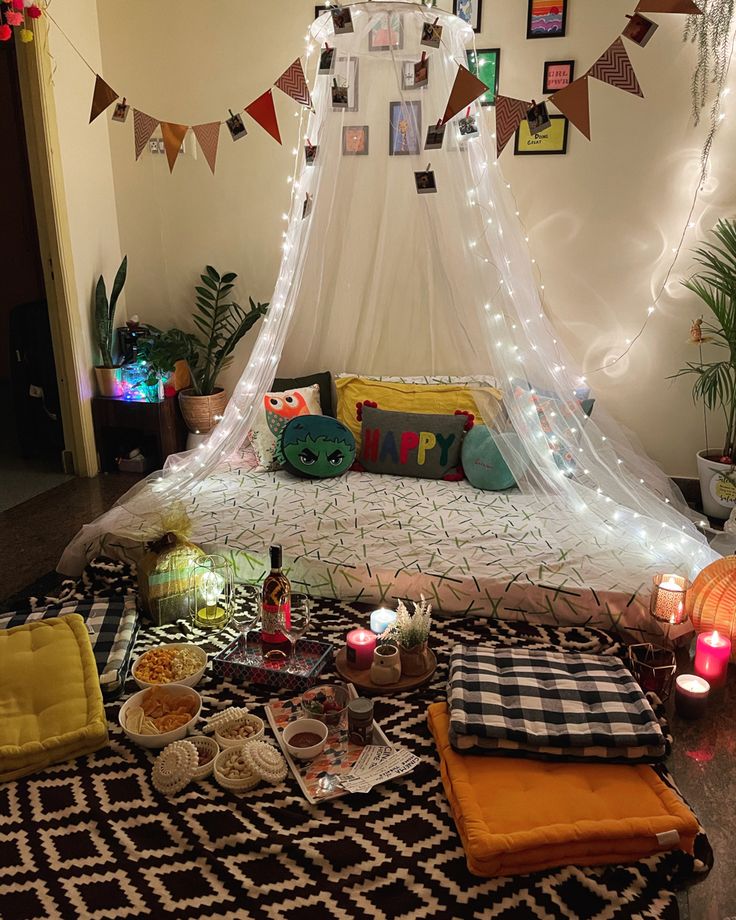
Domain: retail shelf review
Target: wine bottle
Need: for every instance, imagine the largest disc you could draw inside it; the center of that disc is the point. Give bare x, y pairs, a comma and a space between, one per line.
276, 595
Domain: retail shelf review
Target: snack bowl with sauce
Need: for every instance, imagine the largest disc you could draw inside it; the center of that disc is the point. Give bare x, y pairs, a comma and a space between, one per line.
173, 697
164, 658
305, 738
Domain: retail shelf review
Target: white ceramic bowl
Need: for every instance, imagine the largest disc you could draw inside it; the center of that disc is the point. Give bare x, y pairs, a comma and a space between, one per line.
191, 681
305, 725
226, 742
160, 741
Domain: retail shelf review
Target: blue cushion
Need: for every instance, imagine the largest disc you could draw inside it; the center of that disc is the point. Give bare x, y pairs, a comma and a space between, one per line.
317, 447
483, 462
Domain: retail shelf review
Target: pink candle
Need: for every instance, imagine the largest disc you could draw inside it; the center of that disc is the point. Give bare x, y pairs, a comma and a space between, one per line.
712, 654
361, 645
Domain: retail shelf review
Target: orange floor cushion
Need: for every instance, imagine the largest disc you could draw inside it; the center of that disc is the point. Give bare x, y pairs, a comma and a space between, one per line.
516, 815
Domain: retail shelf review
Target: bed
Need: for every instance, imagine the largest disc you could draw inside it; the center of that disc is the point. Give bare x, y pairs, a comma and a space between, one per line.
372, 539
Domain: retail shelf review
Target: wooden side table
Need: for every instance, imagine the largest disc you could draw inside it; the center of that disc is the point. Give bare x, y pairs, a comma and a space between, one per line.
157, 428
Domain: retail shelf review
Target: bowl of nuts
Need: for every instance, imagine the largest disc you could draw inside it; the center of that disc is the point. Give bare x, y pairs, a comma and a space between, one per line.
239, 731
234, 771
326, 703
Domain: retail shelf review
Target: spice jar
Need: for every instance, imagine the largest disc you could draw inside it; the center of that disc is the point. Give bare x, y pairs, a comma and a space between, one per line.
360, 721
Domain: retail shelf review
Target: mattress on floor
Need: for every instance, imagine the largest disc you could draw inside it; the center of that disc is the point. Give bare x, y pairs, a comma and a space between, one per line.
368, 538
516, 816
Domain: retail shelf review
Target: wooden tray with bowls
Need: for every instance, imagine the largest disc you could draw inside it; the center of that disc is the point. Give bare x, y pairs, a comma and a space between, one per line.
362, 678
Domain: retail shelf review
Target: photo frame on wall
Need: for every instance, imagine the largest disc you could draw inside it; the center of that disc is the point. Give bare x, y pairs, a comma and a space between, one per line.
405, 129
355, 140
387, 34
485, 64
469, 11
552, 141
546, 18
557, 75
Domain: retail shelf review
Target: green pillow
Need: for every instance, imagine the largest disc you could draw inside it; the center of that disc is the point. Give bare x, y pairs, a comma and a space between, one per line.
317, 447
483, 462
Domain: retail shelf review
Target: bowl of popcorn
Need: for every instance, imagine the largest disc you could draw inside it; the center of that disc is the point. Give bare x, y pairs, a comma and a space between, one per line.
157, 716
238, 731
178, 663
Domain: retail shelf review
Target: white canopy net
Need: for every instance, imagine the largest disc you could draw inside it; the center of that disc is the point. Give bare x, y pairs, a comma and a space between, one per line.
378, 279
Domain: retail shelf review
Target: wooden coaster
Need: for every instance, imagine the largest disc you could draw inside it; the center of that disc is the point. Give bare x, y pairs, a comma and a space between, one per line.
362, 679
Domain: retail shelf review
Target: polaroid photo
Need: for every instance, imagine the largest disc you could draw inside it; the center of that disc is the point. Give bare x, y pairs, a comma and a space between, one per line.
236, 127
640, 29
120, 112
435, 137
307, 206
326, 60
421, 72
425, 182
355, 140
346, 74
310, 153
405, 128
342, 21
339, 95
431, 34
468, 126
538, 118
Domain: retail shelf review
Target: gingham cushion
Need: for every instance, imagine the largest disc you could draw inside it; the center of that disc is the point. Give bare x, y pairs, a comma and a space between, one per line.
552, 705
112, 624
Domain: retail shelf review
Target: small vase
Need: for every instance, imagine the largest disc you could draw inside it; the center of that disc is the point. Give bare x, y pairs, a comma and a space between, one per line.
414, 660
386, 667
109, 381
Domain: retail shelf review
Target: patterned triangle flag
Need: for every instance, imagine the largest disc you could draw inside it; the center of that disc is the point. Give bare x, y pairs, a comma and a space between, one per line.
263, 111
208, 138
509, 115
574, 102
102, 97
143, 128
173, 136
466, 89
669, 6
293, 82
614, 66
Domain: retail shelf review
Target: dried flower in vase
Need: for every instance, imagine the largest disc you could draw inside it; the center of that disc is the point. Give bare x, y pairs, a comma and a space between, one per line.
412, 629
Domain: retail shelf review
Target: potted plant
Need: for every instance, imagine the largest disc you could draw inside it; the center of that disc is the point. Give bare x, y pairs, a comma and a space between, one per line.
410, 632
161, 353
715, 380
108, 373
221, 324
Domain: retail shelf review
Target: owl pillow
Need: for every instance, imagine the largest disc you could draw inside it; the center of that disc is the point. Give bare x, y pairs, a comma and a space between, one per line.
277, 411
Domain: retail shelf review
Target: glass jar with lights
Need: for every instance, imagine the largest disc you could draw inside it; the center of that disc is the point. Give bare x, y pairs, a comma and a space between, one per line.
211, 592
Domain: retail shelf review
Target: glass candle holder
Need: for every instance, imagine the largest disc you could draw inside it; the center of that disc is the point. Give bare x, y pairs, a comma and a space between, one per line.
211, 592
653, 668
669, 594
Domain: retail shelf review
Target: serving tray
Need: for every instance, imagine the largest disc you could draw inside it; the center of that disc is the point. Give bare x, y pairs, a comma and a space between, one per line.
242, 663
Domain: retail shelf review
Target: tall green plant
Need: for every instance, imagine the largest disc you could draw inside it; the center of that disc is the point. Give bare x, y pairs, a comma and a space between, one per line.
105, 313
715, 285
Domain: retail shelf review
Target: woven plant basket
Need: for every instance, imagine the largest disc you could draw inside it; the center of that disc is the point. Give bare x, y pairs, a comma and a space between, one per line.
712, 599
199, 411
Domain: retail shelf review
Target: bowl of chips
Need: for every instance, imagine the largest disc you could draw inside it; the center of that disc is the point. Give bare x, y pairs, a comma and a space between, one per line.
178, 663
157, 716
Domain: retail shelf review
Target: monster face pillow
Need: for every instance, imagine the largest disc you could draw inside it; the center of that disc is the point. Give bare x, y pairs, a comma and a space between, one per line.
317, 447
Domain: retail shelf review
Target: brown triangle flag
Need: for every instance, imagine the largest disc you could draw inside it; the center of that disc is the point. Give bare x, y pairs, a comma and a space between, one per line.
293, 82
208, 137
173, 136
466, 89
102, 97
509, 115
669, 6
614, 67
143, 128
574, 102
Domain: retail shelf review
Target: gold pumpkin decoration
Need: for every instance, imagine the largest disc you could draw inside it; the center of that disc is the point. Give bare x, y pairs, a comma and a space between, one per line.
712, 599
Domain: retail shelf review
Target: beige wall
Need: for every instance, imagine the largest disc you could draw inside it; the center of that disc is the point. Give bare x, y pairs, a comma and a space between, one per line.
601, 220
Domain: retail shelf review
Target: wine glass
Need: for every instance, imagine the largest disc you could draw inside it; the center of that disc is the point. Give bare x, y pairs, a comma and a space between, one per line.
245, 612
298, 623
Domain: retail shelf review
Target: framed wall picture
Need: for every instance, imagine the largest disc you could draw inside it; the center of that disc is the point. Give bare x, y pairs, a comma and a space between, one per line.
405, 128
546, 18
469, 11
386, 34
485, 64
355, 140
551, 141
557, 75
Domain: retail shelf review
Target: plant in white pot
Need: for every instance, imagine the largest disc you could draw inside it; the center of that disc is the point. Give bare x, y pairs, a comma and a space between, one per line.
221, 324
108, 372
715, 380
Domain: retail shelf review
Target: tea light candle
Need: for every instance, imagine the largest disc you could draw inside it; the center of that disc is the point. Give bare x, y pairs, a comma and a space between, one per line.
381, 619
361, 644
712, 654
691, 696
668, 598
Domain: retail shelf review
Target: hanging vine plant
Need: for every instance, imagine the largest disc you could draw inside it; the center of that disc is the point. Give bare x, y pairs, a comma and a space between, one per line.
711, 32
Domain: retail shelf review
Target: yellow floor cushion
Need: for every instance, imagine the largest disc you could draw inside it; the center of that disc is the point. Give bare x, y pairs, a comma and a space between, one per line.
516, 815
50, 699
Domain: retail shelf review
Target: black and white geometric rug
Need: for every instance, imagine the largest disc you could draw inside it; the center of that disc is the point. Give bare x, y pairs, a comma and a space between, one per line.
94, 839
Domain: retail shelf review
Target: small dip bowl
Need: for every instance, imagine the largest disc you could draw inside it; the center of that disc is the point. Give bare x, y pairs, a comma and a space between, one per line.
298, 731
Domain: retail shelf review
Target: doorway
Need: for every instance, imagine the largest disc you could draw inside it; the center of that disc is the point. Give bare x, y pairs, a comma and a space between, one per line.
31, 430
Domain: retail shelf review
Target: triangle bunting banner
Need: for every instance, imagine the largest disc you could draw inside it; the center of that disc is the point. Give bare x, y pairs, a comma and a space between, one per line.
143, 128
293, 82
208, 138
614, 66
102, 97
263, 111
574, 102
466, 89
173, 136
669, 6
509, 115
